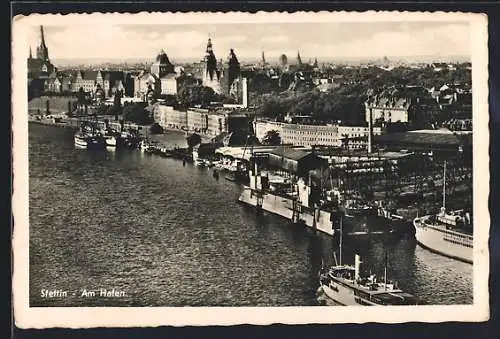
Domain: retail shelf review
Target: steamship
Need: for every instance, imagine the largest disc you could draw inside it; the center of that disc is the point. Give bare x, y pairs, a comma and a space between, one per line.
446, 233
344, 285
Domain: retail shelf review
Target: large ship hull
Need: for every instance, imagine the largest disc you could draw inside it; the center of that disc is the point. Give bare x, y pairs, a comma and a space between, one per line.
340, 294
317, 219
442, 241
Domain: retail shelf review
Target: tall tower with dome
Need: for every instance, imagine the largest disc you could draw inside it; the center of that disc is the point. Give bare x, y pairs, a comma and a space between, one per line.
211, 74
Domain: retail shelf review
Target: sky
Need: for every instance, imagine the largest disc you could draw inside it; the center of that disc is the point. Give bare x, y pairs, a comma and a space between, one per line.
321, 40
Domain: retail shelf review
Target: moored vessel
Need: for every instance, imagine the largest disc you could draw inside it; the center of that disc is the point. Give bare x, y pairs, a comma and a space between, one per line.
81, 139
110, 140
345, 285
447, 233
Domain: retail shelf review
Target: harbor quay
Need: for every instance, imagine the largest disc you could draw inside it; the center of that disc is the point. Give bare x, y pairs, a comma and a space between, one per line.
384, 184
283, 189
187, 179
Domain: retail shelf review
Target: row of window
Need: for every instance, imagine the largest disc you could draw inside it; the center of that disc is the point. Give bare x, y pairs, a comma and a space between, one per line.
459, 242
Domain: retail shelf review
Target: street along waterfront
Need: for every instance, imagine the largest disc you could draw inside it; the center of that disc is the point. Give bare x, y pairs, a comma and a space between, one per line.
168, 234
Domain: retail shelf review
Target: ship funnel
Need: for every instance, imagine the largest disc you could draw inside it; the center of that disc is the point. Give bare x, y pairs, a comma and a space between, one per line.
357, 264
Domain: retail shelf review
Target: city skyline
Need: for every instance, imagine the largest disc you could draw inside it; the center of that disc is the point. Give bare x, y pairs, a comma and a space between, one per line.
314, 40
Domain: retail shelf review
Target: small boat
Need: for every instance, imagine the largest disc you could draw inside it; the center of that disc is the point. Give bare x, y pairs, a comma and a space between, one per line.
110, 140
81, 139
199, 162
85, 139
143, 145
345, 285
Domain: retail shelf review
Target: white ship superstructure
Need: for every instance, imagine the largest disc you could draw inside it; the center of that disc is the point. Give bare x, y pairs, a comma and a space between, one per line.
446, 233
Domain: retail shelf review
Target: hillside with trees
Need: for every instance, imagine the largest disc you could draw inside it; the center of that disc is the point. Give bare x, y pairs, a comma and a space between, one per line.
346, 102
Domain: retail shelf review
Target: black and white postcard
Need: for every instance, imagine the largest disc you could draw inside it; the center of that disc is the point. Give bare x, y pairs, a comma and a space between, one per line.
237, 168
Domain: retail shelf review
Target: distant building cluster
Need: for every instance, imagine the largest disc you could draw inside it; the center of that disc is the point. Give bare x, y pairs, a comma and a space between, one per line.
410, 106
162, 79
417, 106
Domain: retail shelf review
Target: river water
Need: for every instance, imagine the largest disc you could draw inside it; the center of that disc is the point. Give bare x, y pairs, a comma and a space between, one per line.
166, 234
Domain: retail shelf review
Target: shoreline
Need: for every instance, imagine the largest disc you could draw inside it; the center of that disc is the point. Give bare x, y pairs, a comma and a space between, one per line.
72, 122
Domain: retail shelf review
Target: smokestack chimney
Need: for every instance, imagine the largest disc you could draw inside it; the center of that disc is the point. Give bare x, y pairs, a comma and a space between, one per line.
357, 264
370, 130
245, 92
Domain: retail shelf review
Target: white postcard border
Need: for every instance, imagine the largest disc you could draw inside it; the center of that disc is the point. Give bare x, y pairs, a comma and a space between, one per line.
83, 317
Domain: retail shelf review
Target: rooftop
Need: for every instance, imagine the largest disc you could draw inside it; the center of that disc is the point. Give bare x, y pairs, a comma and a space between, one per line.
423, 137
290, 153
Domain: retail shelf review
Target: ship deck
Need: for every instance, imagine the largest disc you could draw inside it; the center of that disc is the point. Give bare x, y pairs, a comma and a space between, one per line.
442, 227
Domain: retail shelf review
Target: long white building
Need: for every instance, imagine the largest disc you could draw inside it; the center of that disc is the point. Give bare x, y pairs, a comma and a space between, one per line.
315, 135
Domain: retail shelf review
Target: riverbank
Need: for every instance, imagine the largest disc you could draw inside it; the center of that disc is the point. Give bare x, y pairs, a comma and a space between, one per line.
144, 130
458, 200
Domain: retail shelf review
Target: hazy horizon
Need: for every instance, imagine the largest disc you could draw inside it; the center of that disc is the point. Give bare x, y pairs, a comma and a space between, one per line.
392, 59
325, 41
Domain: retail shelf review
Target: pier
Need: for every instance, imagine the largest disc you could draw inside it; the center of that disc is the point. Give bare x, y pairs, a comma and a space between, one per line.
400, 185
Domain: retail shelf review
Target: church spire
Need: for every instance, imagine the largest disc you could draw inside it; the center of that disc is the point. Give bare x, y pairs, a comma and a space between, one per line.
42, 52
209, 46
42, 37
210, 61
299, 60
31, 54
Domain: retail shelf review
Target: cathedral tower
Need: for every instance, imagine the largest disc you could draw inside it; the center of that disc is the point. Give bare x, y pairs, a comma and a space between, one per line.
211, 73
299, 59
233, 67
42, 52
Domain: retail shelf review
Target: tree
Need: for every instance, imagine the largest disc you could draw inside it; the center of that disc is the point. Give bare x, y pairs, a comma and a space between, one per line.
156, 129
272, 138
191, 95
193, 140
136, 113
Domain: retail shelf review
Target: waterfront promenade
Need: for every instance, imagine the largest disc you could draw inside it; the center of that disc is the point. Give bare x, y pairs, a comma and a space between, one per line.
74, 123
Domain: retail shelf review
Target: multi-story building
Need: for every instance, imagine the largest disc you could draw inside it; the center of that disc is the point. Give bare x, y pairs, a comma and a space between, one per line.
146, 83
169, 117
203, 121
169, 84
162, 73
389, 109
315, 135
196, 119
162, 65
107, 81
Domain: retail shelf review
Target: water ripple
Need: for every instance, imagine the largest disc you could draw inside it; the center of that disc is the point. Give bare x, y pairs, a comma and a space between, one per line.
172, 235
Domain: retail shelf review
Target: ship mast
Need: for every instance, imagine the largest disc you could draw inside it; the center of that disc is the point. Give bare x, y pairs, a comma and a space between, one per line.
340, 244
385, 269
444, 186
